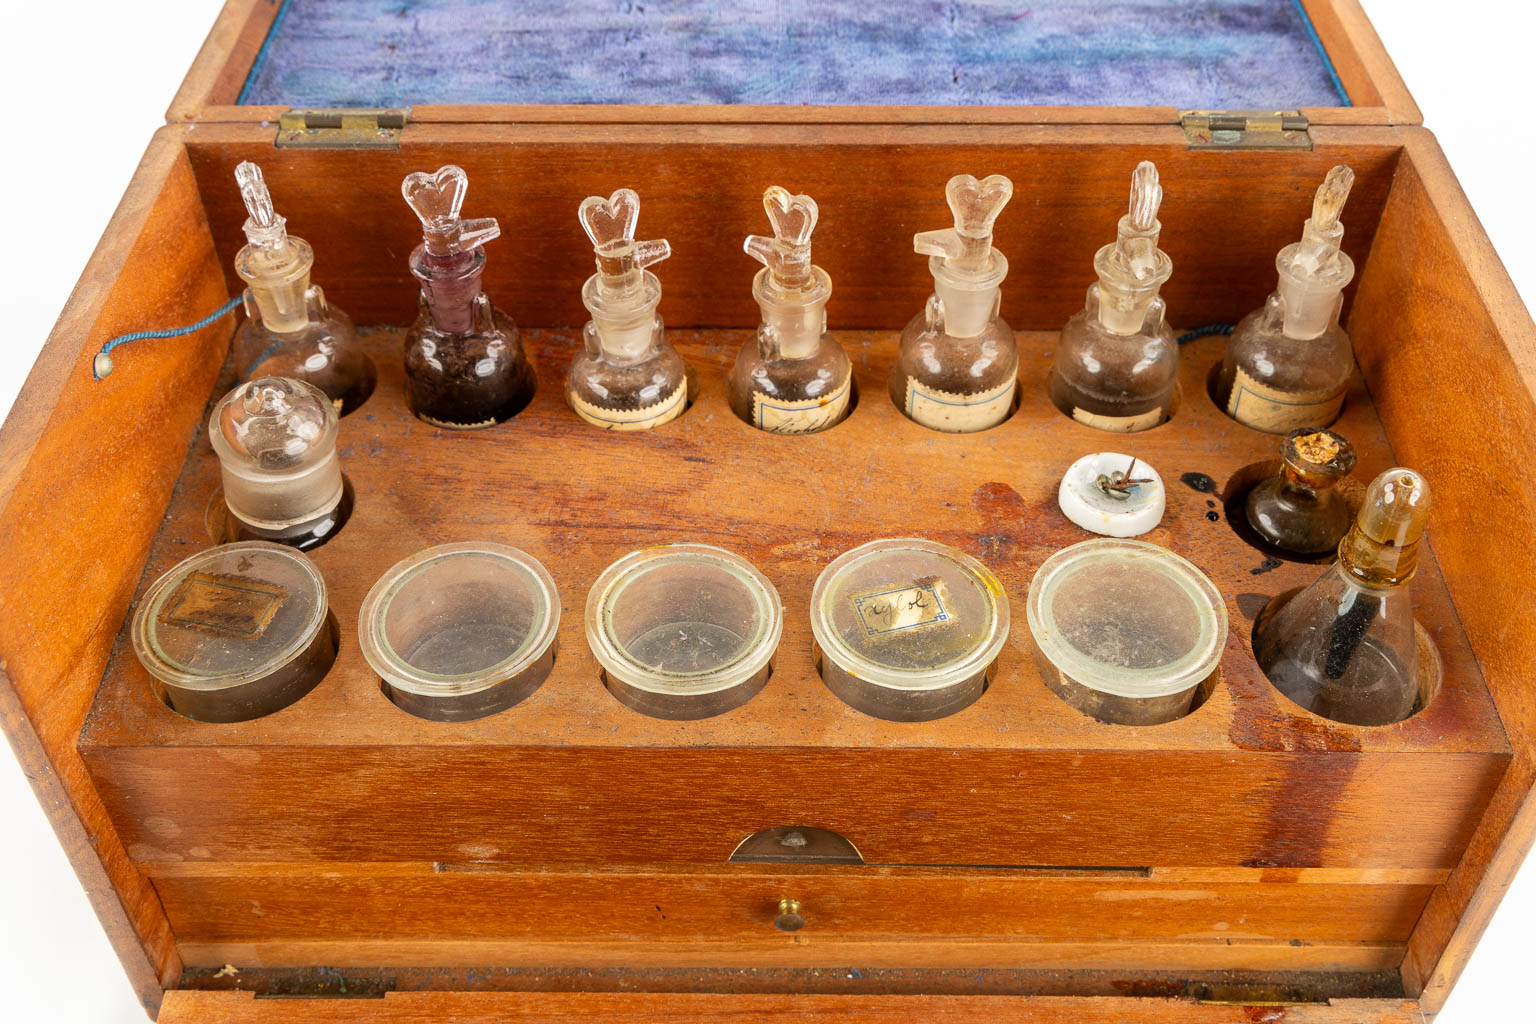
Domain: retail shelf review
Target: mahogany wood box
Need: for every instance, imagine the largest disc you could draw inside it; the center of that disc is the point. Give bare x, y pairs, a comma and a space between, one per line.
1019, 861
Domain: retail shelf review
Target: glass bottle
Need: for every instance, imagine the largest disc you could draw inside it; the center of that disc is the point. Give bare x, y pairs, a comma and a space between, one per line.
627, 376
276, 442
465, 367
1288, 363
958, 363
1301, 511
1345, 648
290, 330
1117, 362
793, 379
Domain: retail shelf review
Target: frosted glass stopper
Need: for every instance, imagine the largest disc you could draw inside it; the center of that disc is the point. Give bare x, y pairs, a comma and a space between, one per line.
1317, 257
436, 199
968, 245
787, 255
263, 228
610, 224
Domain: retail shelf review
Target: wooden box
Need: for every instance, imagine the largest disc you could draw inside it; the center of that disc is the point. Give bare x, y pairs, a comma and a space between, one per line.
1020, 862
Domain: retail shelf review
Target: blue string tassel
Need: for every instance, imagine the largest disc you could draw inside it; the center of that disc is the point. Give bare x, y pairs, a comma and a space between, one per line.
102, 364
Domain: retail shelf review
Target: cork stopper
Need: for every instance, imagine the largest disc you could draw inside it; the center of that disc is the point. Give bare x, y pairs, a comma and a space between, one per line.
1317, 458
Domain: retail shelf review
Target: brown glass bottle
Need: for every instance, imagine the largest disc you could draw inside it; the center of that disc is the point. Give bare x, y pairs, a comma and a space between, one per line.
1301, 511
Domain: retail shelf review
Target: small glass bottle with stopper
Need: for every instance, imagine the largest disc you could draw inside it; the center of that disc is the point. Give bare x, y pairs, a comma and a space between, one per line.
1301, 511
627, 377
290, 330
1117, 363
1288, 363
465, 366
958, 365
276, 442
1345, 647
793, 379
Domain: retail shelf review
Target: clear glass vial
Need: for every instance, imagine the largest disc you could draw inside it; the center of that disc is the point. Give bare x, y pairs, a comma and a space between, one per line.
907, 630
464, 361
276, 442
1345, 647
290, 330
1117, 362
627, 376
683, 631
461, 631
958, 365
1125, 631
794, 379
235, 632
1288, 363
1301, 511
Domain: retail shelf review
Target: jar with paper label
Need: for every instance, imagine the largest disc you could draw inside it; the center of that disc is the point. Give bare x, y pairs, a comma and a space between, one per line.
958, 366
1288, 364
1117, 363
793, 378
627, 376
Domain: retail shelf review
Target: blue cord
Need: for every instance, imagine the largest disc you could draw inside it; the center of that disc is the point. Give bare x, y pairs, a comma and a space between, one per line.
1201, 332
102, 364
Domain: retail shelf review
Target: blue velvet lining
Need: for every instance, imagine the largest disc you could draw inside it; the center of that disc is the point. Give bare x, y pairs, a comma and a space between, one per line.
1181, 53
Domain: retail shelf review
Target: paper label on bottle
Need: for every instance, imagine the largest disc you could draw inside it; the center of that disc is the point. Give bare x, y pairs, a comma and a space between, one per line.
664, 411
801, 416
214, 603
1119, 424
959, 414
902, 609
1278, 412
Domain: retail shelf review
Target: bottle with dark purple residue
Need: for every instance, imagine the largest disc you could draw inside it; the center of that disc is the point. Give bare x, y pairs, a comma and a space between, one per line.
465, 367
1345, 647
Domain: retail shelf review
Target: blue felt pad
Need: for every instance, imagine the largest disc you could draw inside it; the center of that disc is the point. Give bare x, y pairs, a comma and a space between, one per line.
1220, 54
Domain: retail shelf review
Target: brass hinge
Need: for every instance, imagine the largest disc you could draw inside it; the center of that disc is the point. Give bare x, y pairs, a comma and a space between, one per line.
1246, 129
346, 128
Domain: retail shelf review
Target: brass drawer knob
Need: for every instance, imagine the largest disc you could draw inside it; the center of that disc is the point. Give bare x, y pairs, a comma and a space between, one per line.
789, 919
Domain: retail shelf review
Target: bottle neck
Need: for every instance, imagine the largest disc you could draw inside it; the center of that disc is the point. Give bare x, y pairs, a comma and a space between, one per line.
625, 326
1310, 302
1376, 564
794, 321
970, 301
449, 285
279, 283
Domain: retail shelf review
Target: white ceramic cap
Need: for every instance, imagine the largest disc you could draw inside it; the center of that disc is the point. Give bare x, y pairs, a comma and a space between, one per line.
909, 614
1127, 618
1088, 505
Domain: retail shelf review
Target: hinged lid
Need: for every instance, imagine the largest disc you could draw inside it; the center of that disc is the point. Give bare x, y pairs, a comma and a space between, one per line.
341, 128
1246, 129
798, 62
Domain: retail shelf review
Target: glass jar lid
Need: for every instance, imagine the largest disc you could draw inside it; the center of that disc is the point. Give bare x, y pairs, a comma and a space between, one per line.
1127, 618
909, 614
229, 616
683, 620
458, 618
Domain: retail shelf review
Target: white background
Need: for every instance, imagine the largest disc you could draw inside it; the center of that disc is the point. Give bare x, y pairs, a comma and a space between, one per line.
87, 82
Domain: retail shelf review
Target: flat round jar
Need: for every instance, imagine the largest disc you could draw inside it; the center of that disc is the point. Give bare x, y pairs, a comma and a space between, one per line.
461, 631
683, 631
908, 630
1125, 631
236, 632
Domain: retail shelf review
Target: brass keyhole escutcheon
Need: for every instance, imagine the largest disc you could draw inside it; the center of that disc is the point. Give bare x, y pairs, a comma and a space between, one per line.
789, 919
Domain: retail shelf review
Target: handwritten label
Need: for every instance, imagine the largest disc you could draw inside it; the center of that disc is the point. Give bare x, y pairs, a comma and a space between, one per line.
802, 416
959, 414
1265, 408
664, 411
899, 609
234, 605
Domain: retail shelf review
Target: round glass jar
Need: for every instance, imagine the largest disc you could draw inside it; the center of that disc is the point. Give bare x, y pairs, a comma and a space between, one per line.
683, 631
461, 631
908, 630
236, 632
1125, 631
